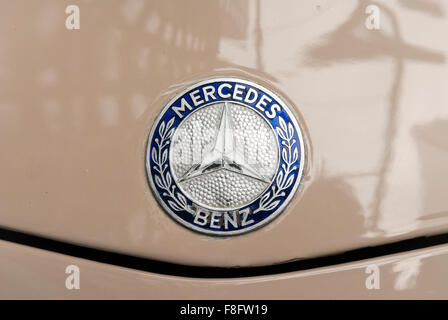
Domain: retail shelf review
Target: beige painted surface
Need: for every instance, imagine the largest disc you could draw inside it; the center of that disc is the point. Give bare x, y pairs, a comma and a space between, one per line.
28, 273
76, 108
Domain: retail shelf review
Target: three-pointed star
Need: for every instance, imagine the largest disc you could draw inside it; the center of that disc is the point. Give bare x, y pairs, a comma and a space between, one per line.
223, 154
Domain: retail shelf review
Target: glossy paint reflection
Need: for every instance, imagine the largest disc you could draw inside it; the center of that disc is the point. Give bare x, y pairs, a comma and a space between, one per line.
352, 43
76, 108
40, 274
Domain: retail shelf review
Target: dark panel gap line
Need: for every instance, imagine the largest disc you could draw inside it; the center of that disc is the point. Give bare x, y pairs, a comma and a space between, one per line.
173, 269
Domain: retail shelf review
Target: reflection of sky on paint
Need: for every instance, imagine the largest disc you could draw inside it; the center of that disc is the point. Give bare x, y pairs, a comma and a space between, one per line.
99, 82
90, 86
330, 64
407, 273
351, 43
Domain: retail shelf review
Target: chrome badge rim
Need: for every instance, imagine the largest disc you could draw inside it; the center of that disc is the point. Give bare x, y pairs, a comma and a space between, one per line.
225, 156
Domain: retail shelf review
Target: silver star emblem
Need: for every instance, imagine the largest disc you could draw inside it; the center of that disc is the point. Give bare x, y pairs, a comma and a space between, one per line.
223, 154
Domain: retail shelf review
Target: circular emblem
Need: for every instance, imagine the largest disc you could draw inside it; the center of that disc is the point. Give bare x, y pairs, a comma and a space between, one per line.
225, 156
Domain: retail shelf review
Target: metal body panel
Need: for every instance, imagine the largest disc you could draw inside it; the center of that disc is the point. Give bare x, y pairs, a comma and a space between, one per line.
29, 273
76, 108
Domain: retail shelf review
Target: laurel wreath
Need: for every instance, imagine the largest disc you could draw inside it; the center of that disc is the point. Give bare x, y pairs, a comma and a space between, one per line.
178, 202
285, 177
163, 180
